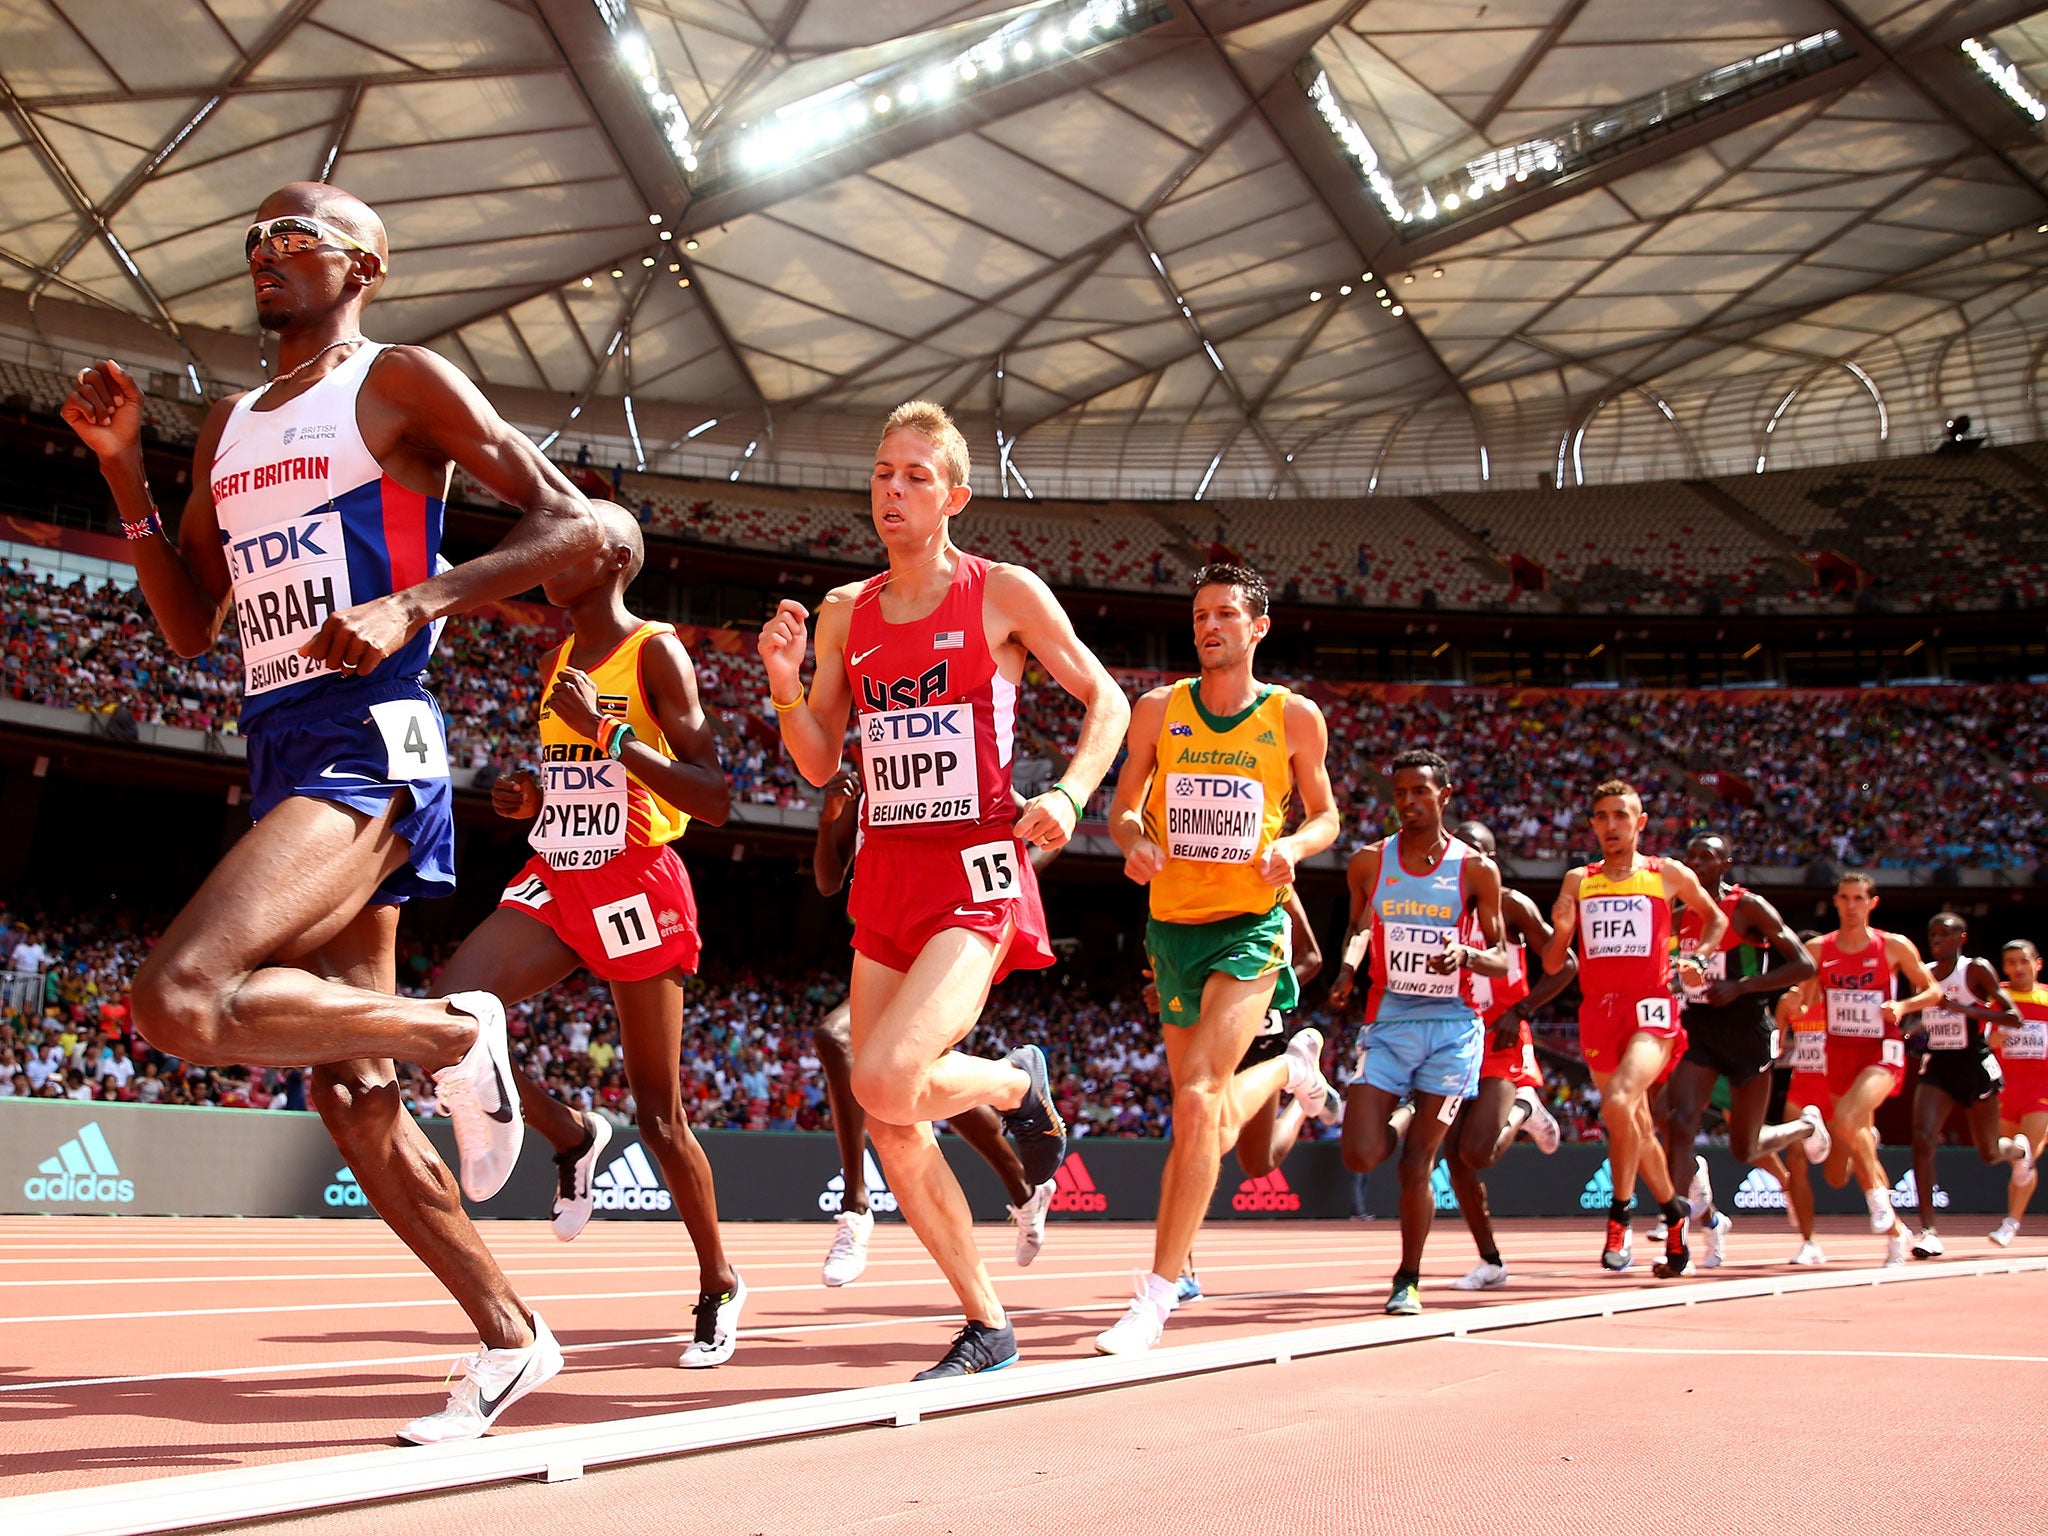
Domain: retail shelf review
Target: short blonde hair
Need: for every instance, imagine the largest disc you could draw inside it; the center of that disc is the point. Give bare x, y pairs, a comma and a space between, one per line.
930, 422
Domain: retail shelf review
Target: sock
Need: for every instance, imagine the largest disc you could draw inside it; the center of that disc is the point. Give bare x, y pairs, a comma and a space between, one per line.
1674, 1211
1621, 1210
1160, 1293
1491, 1256
1407, 1277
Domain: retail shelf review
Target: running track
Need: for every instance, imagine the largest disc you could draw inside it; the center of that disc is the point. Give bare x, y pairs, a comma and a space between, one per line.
139, 1348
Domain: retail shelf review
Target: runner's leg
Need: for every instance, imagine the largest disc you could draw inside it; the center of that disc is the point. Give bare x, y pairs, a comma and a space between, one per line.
1418, 1158
1268, 1134
834, 1040
1374, 1122
1931, 1109
1487, 1124
1632, 1146
514, 957
1855, 1132
2034, 1127
1799, 1193
982, 1129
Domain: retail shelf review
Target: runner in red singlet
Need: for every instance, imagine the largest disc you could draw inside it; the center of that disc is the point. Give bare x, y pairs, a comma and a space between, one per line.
2022, 1047
1860, 968
931, 653
1803, 1031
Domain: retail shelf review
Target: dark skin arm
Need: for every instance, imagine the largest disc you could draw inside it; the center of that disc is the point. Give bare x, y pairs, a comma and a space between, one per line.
1492, 961
1992, 1005
693, 781
838, 822
1361, 874
1308, 954
1525, 920
1759, 923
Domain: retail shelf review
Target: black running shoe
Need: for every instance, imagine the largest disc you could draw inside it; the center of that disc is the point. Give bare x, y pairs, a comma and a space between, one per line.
1677, 1257
1034, 1126
977, 1347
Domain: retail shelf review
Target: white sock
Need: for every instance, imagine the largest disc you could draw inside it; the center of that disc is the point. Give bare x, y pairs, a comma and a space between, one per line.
1161, 1293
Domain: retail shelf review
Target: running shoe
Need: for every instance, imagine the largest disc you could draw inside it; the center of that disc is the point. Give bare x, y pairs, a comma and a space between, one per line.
1541, 1127
2023, 1171
1029, 1219
1809, 1255
1140, 1326
1927, 1244
486, 1384
1332, 1112
1305, 1078
1895, 1249
2005, 1232
1700, 1193
1677, 1257
1657, 1231
848, 1255
1188, 1287
717, 1333
477, 1094
1619, 1253
1406, 1301
1880, 1203
1034, 1126
974, 1349
1821, 1141
1482, 1277
1717, 1232
574, 1170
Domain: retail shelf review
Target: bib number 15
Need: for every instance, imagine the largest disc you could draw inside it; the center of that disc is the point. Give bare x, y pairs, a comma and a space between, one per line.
991, 870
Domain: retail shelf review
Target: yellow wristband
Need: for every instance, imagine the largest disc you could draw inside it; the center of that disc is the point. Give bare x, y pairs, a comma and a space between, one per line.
782, 708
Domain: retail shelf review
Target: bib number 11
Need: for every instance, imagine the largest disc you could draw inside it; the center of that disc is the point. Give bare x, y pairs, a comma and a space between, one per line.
991, 870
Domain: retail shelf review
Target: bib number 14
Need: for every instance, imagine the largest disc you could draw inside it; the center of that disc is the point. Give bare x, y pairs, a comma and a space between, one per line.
991, 870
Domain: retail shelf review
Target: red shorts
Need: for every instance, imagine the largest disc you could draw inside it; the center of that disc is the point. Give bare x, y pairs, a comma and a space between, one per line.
628, 920
1848, 1056
906, 891
2025, 1091
1811, 1088
1516, 1064
1608, 1021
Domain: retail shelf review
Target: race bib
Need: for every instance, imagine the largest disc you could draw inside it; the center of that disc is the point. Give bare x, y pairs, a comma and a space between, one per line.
1408, 948
626, 927
1653, 1013
1892, 1053
920, 766
1617, 927
991, 870
582, 820
2026, 1042
1214, 817
1855, 1014
289, 578
1947, 1030
1810, 1051
1715, 968
413, 745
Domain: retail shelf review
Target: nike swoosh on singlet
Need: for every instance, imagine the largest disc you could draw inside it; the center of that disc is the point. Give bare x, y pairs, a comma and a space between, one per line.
854, 661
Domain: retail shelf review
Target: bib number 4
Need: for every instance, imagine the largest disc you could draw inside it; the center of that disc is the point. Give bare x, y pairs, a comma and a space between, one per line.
991, 870
413, 745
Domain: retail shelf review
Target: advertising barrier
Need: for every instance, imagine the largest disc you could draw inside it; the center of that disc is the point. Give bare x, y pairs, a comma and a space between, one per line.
65, 1158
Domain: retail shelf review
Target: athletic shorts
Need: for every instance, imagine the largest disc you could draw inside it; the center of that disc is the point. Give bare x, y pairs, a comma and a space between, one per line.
1813, 1088
908, 890
1781, 1090
1516, 1064
1608, 1021
1269, 1044
1439, 1056
1738, 1046
2025, 1091
363, 746
1247, 947
631, 918
1848, 1056
1965, 1076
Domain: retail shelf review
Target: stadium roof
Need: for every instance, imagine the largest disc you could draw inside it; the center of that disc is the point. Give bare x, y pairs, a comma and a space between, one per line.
1599, 237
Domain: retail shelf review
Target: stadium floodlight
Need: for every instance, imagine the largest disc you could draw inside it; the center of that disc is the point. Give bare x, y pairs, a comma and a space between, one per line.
1992, 63
637, 54
701, 428
959, 61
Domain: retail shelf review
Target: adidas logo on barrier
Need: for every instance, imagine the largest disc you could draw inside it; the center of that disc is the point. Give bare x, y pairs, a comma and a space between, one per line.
629, 1183
1440, 1187
1758, 1191
1906, 1194
879, 1198
1598, 1194
83, 1169
344, 1190
1074, 1190
1268, 1193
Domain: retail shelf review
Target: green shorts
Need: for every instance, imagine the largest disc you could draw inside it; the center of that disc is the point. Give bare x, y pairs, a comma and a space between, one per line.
1184, 954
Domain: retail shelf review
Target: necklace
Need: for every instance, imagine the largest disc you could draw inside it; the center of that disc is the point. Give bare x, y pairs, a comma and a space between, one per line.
286, 378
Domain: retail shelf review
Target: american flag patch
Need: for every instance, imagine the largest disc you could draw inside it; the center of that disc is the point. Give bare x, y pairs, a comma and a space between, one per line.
949, 640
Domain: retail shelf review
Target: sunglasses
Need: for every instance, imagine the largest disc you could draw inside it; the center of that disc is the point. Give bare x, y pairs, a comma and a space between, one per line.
296, 232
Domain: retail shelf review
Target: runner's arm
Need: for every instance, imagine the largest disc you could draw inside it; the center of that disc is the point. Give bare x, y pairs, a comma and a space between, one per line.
1361, 874
186, 583
1308, 954
438, 412
1993, 1006
1904, 956
1143, 858
838, 827
813, 724
1564, 915
1040, 855
1755, 915
1522, 915
1713, 921
694, 780
1491, 961
1308, 749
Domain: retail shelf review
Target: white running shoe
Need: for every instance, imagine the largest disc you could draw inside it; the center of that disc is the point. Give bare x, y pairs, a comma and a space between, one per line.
573, 1173
1657, 1231
1482, 1277
1895, 1249
1541, 1127
492, 1380
1139, 1328
2023, 1171
718, 1327
1332, 1112
1880, 1203
1305, 1078
1927, 1244
1818, 1145
1809, 1255
2005, 1232
848, 1255
477, 1093
1030, 1221
1716, 1240
1700, 1193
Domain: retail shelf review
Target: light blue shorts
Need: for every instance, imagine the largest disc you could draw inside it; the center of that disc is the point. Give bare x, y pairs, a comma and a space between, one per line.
1439, 1056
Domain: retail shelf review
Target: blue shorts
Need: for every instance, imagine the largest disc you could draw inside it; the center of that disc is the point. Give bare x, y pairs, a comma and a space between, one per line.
359, 745
1440, 1056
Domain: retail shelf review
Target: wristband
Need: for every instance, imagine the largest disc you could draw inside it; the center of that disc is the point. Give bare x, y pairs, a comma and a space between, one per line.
151, 526
782, 708
1076, 804
622, 733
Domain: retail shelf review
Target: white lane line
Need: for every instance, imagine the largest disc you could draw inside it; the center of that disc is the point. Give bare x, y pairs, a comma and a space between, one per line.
1803, 1354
